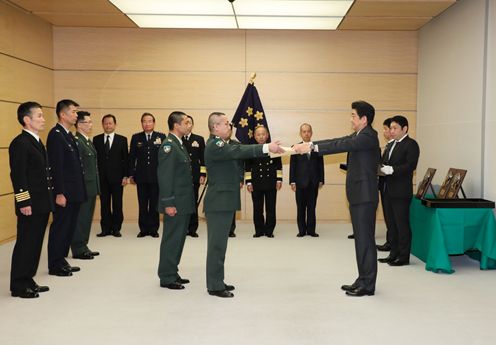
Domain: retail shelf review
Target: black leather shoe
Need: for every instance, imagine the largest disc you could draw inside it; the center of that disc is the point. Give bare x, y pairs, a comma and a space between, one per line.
300, 235
103, 234
60, 272
94, 253
359, 292
232, 234
398, 262
117, 234
193, 234
182, 281
172, 286
386, 260
314, 234
26, 293
72, 268
351, 236
154, 234
257, 235
83, 256
383, 247
270, 235
221, 293
141, 234
348, 287
40, 288
229, 287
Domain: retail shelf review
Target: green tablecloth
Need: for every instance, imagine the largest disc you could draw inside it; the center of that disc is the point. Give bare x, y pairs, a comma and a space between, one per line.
440, 232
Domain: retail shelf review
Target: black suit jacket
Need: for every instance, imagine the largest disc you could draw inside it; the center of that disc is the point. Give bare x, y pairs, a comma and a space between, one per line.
30, 175
113, 166
404, 159
67, 169
305, 172
195, 146
143, 157
364, 155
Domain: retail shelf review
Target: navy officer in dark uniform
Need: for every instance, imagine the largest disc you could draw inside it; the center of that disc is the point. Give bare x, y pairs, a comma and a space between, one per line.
143, 161
263, 177
30, 175
69, 187
195, 145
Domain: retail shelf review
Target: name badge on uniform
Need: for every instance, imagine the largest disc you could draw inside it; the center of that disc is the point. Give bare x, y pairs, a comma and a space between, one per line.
195, 144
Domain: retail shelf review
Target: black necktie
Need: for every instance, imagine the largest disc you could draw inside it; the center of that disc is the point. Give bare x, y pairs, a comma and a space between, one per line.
107, 144
148, 136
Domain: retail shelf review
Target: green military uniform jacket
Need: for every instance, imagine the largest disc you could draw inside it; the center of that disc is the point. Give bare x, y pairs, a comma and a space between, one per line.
225, 173
174, 177
87, 152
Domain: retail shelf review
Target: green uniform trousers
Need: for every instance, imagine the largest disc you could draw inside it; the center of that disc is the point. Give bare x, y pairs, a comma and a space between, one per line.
218, 227
79, 244
171, 247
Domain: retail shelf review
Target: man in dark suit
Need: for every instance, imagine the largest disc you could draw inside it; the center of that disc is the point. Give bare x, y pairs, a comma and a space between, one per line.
112, 155
87, 153
30, 176
143, 161
263, 177
176, 200
306, 177
398, 169
223, 197
385, 155
361, 190
195, 145
69, 188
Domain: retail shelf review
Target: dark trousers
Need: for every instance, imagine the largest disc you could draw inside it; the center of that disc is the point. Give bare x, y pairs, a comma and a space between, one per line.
388, 233
397, 212
193, 220
148, 220
61, 233
306, 201
171, 247
81, 236
27, 250
111, 206
363, 221
233, 224
264, 226
218, 227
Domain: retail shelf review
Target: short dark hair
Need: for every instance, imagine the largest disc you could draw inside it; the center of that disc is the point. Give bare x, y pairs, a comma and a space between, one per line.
175, 117
192, 120
400, 120
25, 110
111, 116
81, 115
147, 114
63, 105
387, 122
364, 109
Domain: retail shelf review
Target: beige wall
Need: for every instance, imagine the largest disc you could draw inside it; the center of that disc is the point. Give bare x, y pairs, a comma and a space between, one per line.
26, 73
310, 76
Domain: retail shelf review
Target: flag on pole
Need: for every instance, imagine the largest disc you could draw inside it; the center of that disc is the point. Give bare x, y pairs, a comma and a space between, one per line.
249, 115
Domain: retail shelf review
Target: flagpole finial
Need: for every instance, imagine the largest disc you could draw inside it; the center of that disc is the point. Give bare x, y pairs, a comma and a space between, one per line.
252, 77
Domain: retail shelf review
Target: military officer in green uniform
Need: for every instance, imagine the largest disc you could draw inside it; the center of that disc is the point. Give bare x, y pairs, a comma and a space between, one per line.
222, 198
176, 200
87, 152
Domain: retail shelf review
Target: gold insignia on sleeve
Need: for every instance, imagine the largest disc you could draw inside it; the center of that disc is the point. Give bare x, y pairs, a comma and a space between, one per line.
248, 175
279, 173
203, 170
23, 196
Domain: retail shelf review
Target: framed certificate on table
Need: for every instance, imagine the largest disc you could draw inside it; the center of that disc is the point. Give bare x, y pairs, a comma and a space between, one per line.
425, 183
452, 184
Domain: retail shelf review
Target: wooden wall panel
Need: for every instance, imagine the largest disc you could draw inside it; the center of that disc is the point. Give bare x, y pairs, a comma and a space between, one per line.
5, 184
8, 116
8, 220
25, 36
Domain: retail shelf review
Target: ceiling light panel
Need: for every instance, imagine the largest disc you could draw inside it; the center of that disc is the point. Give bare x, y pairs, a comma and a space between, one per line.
323, 8
289, 23
185, 7
184, 22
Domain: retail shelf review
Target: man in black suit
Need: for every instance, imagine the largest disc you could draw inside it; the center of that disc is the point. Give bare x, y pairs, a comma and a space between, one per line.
195, 145
143, 162
306, 177
69, 188
263, 177
385, 155
30, 176
361, 190
112, 155
398, 169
